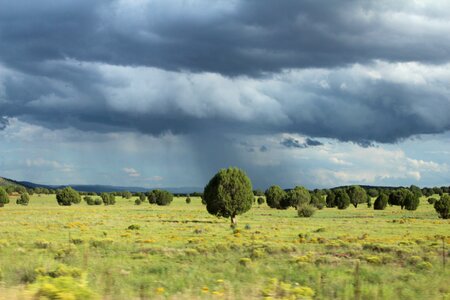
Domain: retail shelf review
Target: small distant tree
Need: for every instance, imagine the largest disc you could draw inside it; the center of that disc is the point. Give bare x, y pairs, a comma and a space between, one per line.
126, 195
442, 207
331, 199
342, 199
260, 200
397, 197
24, 199
381, 202
137, 201
411, 201
296, 197
89, 200
357, 195
67, 196
274, 196
318, 201
160, 197
142, 197
108, 198
258, 193
373, 192
188, 200
4, 198
416, 191
228, 194
432, 200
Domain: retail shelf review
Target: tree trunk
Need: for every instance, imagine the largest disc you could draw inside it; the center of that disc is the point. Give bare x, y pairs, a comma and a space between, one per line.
233, 220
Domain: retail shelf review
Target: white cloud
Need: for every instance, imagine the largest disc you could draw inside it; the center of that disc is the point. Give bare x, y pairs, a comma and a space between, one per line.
131, 172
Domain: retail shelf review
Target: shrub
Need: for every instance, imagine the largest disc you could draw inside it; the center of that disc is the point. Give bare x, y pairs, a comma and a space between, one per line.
188, 200
64, 287
4, 198
274, 196
305, 210
134, 227
442, 207
432, 200
318, 201
331, 199
67, 196
142, 197
24, 199
89, 200
260, 200
98, 201
160, 197
381, 202
108, 198
342, 200
228, 194
137, 201
411, 201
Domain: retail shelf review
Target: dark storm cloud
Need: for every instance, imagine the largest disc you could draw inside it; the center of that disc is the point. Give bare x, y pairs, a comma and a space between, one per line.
242, 37
291, 142
50, 52
4, 122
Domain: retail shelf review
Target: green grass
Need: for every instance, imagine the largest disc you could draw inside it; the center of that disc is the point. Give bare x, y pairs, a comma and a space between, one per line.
181, 252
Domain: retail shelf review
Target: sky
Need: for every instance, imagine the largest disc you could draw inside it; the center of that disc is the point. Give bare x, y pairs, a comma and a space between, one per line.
157, 93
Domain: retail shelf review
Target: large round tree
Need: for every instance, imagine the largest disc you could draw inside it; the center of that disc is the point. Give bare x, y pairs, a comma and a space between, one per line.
357, 195
228, 194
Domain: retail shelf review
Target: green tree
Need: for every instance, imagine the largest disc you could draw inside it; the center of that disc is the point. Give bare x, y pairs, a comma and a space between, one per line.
442, 206
296, 197
342, 199
357, 195
331, 199
126, 195
4, 198
260, 200
228, 194
318, 201
411, 201
67, 196
373, 192
416, 191
160, 197
397, 197
108, 198
24, 199
188, 200
142, 197
381, 202
274, 196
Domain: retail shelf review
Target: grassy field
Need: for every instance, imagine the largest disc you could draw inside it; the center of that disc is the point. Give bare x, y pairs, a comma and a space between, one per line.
181, 252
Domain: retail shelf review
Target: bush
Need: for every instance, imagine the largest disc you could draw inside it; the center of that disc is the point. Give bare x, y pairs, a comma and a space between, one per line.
381, 202
260, 200
331, 199
137, 201
432, 200
108, 198
24, 199
67, 196
412, 201
306, 210
4, 198
89, 200
342, 200
296, 197
318, 201
274, 196
442, 207
98, 201
58, 288
160, 197
188, 200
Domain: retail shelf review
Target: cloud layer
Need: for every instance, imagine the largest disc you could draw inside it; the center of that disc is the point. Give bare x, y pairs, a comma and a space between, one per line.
216, 73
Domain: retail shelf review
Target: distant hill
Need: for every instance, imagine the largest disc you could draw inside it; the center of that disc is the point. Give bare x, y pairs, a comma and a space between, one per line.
9, 182
98, 188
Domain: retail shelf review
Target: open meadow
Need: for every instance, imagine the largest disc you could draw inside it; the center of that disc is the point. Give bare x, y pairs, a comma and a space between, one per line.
128, 251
